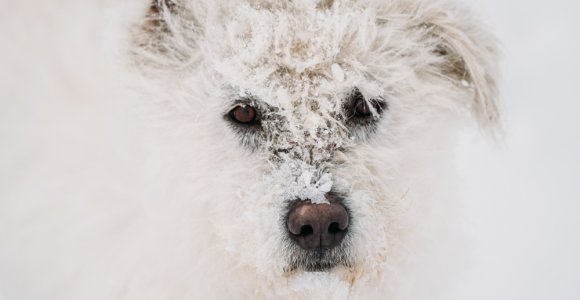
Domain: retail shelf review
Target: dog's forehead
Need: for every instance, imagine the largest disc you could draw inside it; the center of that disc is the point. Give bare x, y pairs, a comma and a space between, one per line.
298, 38
291, 55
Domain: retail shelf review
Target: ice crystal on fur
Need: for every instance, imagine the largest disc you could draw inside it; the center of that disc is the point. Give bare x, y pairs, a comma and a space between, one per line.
299, 180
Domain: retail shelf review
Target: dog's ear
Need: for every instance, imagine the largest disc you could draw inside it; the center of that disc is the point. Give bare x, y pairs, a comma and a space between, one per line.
467, 56
158, 10
166, 36
325, 4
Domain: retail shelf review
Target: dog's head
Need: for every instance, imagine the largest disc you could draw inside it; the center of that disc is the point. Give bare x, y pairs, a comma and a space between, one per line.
318, 127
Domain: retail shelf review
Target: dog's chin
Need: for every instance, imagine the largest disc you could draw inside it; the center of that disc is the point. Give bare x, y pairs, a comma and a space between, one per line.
318, 261
320, 267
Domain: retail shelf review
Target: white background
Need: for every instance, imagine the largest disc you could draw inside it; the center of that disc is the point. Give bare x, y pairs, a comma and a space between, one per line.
525, 196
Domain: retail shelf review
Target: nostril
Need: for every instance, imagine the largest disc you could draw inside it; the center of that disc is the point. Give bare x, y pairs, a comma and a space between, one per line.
334, 228
306, 230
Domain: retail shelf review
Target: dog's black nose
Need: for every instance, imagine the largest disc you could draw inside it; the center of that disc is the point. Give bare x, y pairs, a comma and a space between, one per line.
317, 226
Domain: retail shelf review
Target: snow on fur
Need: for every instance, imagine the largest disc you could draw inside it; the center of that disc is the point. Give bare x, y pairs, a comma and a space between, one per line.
197, 209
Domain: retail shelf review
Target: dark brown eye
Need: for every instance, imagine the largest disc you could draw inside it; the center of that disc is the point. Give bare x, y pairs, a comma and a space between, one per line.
358, 108
362, 108
244, 114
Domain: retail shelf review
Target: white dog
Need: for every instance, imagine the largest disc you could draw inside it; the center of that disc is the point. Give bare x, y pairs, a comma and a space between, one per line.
296, 150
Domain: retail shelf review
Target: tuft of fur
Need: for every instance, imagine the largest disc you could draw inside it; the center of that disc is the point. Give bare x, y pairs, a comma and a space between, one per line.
197, 210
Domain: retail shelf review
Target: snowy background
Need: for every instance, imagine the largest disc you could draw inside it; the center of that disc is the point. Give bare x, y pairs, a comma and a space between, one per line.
525, 196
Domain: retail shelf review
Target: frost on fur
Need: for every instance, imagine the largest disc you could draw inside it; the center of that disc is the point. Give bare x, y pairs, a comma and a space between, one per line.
304, 66
354, 104
296, 180
445, 36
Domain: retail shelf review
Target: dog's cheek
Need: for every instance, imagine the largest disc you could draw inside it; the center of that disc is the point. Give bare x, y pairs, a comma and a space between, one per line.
398, 193
364, 178
245, 214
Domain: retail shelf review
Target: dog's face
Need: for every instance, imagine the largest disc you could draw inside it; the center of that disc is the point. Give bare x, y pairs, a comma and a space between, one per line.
315, 122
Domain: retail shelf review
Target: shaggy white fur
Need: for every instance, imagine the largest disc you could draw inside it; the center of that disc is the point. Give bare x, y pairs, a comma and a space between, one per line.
152, 192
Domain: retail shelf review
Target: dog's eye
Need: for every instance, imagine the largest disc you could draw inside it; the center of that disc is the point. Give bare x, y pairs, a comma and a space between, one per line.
361, 108
244, 114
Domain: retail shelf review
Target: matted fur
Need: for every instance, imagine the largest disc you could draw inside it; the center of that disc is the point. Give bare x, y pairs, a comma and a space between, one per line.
203, 214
